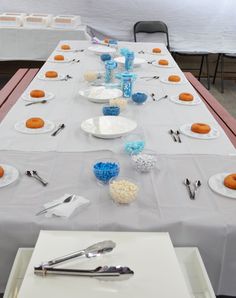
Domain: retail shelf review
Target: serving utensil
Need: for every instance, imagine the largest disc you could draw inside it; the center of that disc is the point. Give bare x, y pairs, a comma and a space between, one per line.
67, 200
171, 132
187, 183
36, 102
94, 250
101, 271
34, 174
60, 128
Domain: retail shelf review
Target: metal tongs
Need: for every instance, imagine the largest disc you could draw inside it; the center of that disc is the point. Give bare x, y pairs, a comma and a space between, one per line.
92, 251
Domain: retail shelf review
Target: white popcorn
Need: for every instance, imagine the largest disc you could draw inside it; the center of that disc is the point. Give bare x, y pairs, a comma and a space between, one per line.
123, 191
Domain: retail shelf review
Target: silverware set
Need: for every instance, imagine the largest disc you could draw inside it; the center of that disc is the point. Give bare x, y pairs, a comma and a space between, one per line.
75, 61
192, 191
150, 62
66, 200
150, 78
95, 250
79, 51
141, 52
34, 174
175, 135
58, 130
66, 78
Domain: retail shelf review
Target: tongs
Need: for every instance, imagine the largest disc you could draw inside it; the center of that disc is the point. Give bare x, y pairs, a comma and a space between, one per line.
89, 252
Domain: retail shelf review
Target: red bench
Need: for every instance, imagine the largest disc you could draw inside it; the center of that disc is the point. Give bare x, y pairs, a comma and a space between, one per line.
226, 121
10, 93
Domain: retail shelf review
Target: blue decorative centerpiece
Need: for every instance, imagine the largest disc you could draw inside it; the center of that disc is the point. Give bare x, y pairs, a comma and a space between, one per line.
105, 57
113, 43
110, 66
104, 170
129, 61
127, 80
139, 98
134, 143
111, 111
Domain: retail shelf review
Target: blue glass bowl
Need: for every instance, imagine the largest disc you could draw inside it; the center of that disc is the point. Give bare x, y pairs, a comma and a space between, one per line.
111, 111
134, 143
106, 169
139, 97
105, 57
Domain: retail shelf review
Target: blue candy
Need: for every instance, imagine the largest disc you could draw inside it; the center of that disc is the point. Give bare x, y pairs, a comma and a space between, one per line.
139, 97
134, 147
111, 111
105, 57
104, 171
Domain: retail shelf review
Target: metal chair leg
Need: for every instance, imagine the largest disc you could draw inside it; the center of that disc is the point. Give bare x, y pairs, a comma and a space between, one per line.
208, 74
217, 64
200, 71
222, 73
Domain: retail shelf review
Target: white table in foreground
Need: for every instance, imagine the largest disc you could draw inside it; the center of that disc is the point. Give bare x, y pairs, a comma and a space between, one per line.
189, 260
35, 43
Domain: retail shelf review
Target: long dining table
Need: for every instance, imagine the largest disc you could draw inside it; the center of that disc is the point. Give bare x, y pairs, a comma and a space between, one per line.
66, 160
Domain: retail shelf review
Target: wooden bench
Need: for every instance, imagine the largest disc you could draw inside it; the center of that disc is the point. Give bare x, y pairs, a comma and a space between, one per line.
223, 117
10, 93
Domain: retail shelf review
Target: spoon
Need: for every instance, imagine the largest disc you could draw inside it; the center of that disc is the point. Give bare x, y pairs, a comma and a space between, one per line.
171, 132
178, 136
187, 184
35, 102
66, 200
197, 184
35, 175
163, 97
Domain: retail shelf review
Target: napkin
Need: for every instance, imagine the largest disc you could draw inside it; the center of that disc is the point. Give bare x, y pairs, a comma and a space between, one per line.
66, 209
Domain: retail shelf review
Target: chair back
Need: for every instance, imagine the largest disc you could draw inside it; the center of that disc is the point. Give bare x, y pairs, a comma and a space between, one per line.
151, 27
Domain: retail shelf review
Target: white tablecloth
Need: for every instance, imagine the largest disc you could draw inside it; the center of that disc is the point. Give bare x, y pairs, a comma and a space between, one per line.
163, 204
35, 44
193, 25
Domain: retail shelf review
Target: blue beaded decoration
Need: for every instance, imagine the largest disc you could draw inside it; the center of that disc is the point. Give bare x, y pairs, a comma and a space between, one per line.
110, 66
139, 97
111, 111
104, 171
134, 147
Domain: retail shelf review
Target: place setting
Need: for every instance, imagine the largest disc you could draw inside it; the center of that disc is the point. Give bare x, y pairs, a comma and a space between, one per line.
186, 99
223, 184
34, 126
37, 96
202, 131
8, 175
61, 59
163, 63
68, 48
53, 75
174, 80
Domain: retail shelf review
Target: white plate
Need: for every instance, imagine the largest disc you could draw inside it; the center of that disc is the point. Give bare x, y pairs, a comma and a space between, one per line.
11, 174
99, 49
196, 101
112, 93
108, 127
137, 61
182, 81
48, 126
27, 97
186, 130
163, 66
61, 50
58, 78
66, 60
216, 183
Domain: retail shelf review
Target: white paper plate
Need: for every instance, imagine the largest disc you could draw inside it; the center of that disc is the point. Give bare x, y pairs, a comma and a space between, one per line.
137, 61
66, 60
58, 78
11, 174
196, 101
27, 97
99, 49
108, 127
61, 50
155, 63
186, 130
182, 81
48, 126
115, 93
216, 183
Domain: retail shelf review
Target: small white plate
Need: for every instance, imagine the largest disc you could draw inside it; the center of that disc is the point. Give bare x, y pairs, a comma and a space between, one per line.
155, 63
196, 101
186, 130
60, 77
137, 61
66, 60
61, 50
108, 127
99, 49
216, 183
111, 94
48, 126
27, 97
11, 174
166, 81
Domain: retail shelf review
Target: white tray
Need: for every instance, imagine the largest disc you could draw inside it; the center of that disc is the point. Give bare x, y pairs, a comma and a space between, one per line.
189, 259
